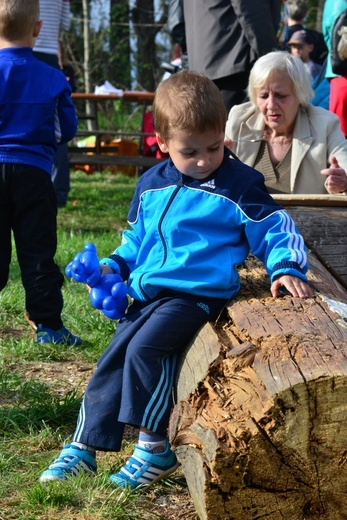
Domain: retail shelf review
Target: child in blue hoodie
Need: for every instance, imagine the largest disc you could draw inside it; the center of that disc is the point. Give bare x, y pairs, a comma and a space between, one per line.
36, 114
193, 219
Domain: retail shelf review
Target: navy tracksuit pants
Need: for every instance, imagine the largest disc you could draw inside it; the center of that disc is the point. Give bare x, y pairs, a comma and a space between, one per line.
132, 383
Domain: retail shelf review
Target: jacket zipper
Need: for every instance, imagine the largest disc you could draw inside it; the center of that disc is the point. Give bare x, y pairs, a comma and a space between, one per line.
167, 207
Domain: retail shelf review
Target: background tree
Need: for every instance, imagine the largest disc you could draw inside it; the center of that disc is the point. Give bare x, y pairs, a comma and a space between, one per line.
119, 43
146, 29
314, 20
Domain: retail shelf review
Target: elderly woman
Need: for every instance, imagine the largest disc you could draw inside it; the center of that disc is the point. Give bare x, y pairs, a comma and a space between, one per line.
299, 148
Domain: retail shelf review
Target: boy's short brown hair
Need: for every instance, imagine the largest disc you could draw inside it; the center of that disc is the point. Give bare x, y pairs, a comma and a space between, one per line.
188, 101
18, 18
297, 9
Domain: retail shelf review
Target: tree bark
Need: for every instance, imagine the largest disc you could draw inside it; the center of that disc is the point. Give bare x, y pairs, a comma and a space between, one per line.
146, 29
120, 70
86, 60
259, 423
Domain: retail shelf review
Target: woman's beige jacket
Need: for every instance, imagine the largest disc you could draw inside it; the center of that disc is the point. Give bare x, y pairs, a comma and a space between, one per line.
317, 138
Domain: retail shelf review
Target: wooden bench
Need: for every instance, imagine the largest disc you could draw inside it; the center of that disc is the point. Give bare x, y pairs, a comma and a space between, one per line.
102, 156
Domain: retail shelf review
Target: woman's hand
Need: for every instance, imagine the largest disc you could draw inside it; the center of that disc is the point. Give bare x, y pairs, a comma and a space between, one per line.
336, 178
297, 287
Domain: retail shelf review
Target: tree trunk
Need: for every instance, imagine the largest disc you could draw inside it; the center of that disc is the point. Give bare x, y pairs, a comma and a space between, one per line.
120, 70
86, 59
259, 423
146, 29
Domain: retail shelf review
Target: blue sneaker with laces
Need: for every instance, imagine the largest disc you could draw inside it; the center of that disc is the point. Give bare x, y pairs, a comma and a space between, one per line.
59, 337
71, 461
145, 468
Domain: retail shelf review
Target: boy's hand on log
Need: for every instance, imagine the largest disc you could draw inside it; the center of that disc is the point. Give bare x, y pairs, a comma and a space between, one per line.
294, 285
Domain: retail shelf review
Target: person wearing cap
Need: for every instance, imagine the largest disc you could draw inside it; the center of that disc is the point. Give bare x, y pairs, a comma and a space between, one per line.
302, 45
297, 11
299, 148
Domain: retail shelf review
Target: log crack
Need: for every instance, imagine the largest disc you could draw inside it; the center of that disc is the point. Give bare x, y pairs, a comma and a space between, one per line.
275, 448
313, 414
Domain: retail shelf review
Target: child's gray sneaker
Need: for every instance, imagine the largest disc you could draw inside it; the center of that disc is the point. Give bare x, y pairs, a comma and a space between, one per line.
71, 461
145, 468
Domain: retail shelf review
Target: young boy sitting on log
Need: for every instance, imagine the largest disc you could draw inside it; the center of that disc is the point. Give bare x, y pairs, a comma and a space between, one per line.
193, 219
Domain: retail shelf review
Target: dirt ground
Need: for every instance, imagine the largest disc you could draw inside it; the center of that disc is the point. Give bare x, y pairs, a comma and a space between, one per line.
75, 374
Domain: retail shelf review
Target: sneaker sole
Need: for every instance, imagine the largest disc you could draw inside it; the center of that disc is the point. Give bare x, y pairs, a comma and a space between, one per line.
49, 478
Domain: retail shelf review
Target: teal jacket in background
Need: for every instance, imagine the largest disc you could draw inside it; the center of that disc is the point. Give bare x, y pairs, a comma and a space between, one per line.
332, 10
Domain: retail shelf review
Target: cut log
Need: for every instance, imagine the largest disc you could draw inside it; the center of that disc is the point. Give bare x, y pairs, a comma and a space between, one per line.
260, 420
322, 220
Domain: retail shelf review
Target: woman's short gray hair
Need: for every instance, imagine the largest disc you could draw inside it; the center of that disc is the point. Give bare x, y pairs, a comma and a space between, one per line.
281, 61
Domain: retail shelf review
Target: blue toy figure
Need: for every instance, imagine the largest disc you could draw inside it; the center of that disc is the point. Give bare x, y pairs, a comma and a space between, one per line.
108, 293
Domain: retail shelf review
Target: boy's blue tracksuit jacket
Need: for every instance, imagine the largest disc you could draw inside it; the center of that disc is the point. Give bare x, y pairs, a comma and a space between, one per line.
36, 109
189, 235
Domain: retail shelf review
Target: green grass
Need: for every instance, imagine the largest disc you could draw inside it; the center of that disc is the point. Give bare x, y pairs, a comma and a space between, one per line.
39, 403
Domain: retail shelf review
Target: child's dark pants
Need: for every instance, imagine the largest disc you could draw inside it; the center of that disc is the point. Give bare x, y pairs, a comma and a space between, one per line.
133, 380
28, 207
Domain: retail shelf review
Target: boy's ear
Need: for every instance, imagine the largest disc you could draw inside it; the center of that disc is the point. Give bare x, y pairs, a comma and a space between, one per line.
161, 143
37, 29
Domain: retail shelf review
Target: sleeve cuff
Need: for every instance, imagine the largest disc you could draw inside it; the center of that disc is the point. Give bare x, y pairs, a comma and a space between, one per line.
111, 263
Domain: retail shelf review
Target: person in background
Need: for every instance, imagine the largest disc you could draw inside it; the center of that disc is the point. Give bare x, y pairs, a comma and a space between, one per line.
299, 148
177, 30
56, 18
34, 120
297, 11
66, 67
301, 45
225, 38
193, 219
175, 64
338, 84
321, 89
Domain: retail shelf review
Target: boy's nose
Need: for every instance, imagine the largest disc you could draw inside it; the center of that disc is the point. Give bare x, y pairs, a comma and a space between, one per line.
202, 161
